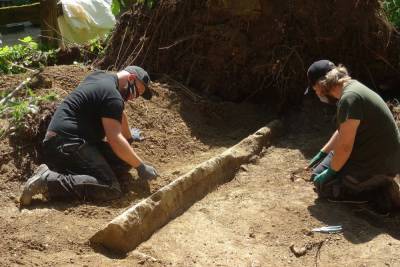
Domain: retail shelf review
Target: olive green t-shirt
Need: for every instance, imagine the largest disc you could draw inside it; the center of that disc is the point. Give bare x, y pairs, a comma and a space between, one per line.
376, 148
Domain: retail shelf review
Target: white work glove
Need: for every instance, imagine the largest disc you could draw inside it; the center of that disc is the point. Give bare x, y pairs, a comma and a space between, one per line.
136, 134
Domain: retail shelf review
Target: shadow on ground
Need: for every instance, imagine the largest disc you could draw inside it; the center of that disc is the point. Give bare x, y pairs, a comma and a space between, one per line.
360, 225
133, 190
218, 123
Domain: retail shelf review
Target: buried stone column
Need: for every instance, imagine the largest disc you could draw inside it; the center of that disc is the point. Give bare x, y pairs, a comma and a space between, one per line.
139, 222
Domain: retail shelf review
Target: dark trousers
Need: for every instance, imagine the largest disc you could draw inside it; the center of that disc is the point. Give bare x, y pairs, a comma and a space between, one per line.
80, 170
381, 190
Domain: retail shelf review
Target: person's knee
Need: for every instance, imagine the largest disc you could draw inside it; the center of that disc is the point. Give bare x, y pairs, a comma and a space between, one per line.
112, 190
110, 193
116, 193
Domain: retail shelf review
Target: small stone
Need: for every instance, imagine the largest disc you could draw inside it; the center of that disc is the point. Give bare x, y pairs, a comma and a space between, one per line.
244, 168
253, 159
252, 235
308, 233
141, 262
298, 252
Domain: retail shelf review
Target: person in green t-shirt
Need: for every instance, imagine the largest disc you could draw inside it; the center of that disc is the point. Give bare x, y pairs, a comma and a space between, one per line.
362, 158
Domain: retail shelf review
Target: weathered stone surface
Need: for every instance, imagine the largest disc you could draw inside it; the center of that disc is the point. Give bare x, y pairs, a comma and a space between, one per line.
138, 223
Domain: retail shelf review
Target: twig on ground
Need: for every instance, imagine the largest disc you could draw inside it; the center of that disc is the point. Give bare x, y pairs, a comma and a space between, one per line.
384, 60
179, 41
317, 255
19, 87
195, 97
4, 132
142, 42
120, 47
22, 67
152, 39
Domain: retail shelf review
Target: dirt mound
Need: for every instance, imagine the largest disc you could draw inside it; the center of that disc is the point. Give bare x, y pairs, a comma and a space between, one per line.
173, 125
256, 50
179, 134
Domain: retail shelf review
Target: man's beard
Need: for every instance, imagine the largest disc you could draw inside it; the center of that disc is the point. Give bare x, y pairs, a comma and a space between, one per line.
328, 99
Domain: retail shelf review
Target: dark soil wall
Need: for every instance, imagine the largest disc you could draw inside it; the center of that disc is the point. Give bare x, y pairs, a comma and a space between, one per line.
256, 50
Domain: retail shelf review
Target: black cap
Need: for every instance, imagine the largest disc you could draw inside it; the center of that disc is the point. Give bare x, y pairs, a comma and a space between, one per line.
316, 71
144, 77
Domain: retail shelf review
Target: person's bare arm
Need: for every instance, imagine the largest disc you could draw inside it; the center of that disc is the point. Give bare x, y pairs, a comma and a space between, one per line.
118, 143
330, 145
125, 127
344, 143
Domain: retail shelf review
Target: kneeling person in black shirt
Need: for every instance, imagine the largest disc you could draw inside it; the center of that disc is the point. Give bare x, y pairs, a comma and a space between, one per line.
79, 163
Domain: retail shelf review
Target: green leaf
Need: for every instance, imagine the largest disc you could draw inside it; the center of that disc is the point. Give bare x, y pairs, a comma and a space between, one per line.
115, 7
392, 10
26, 39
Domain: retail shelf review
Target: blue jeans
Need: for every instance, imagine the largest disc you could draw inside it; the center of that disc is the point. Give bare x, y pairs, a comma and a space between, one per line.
80, 170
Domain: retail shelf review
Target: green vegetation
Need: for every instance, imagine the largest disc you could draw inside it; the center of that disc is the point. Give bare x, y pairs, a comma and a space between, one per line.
149, 3
392, 9
16, 109
118, 5
13, 59
96, 46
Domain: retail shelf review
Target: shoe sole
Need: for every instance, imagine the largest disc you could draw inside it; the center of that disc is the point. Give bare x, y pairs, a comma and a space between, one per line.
373, 213
348, 201
26, 196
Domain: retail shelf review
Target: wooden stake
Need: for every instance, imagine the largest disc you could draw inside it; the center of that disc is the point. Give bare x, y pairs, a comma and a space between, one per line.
48, 22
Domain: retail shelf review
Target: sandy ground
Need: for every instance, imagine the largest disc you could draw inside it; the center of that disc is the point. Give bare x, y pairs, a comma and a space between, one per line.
250, 221
254, 219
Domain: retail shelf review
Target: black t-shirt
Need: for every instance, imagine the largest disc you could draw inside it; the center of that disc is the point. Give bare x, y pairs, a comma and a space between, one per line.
79, 115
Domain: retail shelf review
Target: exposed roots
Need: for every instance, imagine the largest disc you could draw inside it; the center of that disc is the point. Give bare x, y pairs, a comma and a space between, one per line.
254, 51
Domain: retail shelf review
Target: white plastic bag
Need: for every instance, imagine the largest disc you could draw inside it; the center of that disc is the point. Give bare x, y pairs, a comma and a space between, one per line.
84, 20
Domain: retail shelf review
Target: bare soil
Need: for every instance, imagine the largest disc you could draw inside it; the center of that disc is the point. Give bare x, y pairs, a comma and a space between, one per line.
250, 221
265, 210
179, 134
